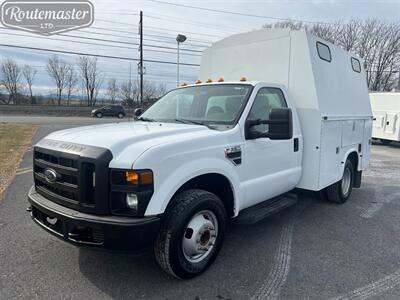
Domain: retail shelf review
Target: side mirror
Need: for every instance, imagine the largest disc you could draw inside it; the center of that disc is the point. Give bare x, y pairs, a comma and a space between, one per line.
280, 125
137, 112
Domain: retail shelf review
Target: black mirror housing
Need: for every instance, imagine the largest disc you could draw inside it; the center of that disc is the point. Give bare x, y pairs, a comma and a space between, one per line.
137, 112
280, 125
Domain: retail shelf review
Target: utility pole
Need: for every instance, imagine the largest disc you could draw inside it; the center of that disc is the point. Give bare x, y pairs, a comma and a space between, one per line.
141, 56
179, 39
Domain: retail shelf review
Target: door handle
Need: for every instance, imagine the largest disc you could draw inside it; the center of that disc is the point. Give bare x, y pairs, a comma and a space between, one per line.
296, 144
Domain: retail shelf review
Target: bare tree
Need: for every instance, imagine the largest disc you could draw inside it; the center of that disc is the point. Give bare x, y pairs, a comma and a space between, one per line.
91, 77
130, 93
58, 71
126, 93
71, 82
29, 74
10, 76
112, 90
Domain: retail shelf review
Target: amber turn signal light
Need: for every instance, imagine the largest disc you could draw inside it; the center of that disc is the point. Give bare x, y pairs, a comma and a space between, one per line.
132, 177
139, 178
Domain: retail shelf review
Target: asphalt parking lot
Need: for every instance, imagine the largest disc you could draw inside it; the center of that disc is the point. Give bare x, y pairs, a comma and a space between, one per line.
314, 250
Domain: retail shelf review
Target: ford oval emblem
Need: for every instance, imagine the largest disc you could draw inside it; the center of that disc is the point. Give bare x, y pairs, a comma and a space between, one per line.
50, 175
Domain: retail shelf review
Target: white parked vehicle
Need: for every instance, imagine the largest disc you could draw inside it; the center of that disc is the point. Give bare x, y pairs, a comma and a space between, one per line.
211, 151
386, 111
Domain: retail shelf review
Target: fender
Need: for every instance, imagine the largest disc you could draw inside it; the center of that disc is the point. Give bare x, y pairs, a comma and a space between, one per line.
345, 157
188, 171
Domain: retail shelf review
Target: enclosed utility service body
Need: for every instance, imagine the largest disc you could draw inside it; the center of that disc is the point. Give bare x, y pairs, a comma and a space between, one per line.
326, 85
386, 112
211, 151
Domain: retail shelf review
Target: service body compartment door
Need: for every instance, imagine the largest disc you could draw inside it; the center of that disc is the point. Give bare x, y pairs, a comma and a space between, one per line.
330, 160
390, 125
352, 132
366, 146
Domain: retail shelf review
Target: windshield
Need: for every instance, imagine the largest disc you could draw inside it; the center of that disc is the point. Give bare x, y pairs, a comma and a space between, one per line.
209, 104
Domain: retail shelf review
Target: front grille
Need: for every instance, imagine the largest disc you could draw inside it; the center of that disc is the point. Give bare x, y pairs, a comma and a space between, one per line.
81, 182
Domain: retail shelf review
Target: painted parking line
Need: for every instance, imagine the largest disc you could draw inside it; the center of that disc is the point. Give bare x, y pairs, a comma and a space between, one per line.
373, 289
380, 200
23, 171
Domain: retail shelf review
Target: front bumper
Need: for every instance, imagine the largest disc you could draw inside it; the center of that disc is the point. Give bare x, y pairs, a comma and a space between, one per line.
113, 233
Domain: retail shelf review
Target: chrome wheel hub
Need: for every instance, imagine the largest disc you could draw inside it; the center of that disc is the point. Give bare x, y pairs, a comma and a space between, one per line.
200, 236
346, 181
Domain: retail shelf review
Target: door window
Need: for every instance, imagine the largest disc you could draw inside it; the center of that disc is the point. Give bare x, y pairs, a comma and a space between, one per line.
266, 99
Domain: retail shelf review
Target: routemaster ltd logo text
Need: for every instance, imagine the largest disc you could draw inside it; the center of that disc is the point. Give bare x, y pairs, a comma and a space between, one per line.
47, 17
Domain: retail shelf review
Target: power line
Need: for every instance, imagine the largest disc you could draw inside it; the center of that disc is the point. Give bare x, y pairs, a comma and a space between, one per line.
233, 12
185, 21
146, 39
105, 45
129, 32
97, 55
187, 32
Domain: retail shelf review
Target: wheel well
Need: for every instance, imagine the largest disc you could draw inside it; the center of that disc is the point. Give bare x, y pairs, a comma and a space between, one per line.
353, 157
214, 183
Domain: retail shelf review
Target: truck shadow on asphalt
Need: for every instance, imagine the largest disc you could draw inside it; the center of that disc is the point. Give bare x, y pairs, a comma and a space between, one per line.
248, 249
391, 145
249, 258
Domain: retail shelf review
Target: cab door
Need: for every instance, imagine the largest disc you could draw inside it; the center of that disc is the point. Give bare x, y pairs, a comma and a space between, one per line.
272, 166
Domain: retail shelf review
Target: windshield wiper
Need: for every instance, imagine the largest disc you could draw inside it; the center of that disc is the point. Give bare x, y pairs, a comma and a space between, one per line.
186, 121
144, 119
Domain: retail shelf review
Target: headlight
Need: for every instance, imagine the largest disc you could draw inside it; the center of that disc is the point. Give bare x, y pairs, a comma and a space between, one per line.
131, 191
132, 201
93, 111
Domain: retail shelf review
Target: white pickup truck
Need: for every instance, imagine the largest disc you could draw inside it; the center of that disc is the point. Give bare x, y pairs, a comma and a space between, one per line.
212, 151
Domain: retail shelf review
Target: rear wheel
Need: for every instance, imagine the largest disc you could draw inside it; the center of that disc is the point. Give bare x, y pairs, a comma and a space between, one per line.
340, 191
191, 234
120, 115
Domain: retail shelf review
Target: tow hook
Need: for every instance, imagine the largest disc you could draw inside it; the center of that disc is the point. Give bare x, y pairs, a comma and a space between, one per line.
29, 209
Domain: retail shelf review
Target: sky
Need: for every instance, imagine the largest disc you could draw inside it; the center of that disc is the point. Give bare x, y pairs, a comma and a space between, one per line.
163, 20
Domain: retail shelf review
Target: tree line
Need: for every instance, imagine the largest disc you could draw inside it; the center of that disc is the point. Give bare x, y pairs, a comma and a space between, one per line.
84, 77
376, 42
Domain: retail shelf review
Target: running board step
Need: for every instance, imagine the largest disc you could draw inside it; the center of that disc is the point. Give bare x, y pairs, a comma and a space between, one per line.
267, 208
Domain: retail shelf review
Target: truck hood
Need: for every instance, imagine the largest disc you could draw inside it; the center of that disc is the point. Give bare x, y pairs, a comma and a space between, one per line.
135, 137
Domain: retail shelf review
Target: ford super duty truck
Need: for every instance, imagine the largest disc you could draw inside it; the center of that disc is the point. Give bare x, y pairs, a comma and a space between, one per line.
226, 147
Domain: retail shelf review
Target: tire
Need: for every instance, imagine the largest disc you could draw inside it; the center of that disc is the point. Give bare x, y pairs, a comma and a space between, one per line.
385, 142
186, 211
340, 191
99, 115
121, 116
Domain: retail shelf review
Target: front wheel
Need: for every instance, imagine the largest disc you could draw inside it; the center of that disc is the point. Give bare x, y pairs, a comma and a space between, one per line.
191, 234
99, 115
340, 191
